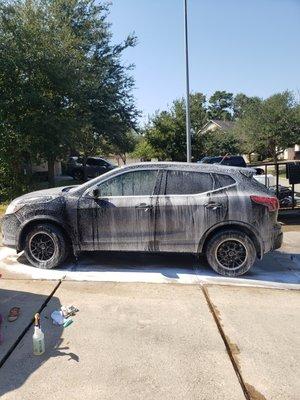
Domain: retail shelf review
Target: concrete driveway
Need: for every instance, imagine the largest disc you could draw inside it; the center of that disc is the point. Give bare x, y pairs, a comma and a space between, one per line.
152, 341
200, 336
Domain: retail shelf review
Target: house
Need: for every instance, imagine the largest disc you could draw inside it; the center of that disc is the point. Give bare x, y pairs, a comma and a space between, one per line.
216, 124
292, 153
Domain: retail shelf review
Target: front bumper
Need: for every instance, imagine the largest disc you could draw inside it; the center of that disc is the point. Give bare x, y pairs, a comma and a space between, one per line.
10, 228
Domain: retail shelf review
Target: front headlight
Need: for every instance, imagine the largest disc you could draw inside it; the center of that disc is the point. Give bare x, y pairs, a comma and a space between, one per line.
13, 207
17, 204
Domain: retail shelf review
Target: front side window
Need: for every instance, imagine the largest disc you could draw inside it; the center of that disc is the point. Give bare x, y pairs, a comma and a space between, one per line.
188, 182
135, 183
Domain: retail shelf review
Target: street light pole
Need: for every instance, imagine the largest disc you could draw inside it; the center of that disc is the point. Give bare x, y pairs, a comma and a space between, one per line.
188, 119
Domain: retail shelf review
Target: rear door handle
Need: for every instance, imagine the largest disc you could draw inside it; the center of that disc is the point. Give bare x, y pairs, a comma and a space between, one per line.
213, 206
144, 206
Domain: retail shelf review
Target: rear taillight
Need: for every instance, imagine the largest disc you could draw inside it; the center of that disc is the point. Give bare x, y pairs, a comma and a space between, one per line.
270, 202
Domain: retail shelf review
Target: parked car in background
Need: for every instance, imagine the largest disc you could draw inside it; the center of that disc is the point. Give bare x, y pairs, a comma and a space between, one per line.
150, 207
234, 161
95, 166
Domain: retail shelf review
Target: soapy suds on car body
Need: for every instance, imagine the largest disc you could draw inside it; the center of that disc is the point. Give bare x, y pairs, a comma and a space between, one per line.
169, 223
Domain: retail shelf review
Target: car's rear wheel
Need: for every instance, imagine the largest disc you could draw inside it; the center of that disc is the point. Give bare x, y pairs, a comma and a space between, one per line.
45, 246
231, 253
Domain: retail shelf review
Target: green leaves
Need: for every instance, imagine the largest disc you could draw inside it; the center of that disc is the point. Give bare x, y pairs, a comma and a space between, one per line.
263, 126
220, 105
62, 82
166, 131
220, 143
269, 126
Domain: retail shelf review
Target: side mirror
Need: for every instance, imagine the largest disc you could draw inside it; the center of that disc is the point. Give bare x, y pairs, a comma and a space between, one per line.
96, 193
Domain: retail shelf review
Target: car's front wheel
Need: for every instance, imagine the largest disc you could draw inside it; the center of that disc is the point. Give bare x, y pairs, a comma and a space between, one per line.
231, 253
45, 246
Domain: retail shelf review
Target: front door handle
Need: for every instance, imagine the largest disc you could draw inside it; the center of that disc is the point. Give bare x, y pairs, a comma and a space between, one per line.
213, 205
144, 206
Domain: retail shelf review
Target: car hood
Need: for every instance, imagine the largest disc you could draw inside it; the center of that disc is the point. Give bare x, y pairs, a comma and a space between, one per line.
52, 192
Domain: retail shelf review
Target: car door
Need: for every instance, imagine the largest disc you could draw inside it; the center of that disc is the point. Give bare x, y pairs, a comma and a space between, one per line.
121, 217
189, 204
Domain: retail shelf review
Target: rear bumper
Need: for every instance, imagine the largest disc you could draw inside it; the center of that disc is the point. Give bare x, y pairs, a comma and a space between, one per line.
277, 237
272, 240
278, 241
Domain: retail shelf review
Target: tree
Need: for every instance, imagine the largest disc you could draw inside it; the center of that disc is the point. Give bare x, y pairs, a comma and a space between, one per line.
220, 143
143, 150
37, 80
166, 131
62, 82
241, 103
122, 145
220, 105
269, 126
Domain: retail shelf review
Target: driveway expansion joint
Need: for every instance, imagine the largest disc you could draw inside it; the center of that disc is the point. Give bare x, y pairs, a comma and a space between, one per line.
228, 346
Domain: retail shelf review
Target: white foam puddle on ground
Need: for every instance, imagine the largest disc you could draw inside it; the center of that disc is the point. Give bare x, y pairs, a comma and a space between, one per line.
278, 270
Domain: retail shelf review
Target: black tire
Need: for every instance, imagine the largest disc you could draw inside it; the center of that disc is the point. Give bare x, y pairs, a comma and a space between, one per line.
45, 246
78, 175
231, 253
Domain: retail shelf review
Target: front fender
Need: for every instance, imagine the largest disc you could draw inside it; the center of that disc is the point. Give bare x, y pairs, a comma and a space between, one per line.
41, 218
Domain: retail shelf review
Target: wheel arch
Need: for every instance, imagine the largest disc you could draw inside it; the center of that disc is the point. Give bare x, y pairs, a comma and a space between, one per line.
28, 225
242, 227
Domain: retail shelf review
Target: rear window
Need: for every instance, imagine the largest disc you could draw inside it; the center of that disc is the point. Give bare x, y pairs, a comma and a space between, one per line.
222, 180
188, 182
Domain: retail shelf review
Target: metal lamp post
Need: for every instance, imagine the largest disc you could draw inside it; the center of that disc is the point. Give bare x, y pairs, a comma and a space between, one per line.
188, 119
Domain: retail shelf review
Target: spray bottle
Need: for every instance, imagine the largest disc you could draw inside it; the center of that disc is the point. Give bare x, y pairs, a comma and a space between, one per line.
38, 337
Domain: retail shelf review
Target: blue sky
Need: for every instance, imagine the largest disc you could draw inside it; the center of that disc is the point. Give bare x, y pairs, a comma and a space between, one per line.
249, 46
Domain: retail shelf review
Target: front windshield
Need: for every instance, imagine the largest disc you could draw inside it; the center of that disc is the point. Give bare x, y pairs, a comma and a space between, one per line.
94, 181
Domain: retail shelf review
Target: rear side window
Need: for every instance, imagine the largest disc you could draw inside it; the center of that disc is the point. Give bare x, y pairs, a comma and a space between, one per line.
188, 182
222, 180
